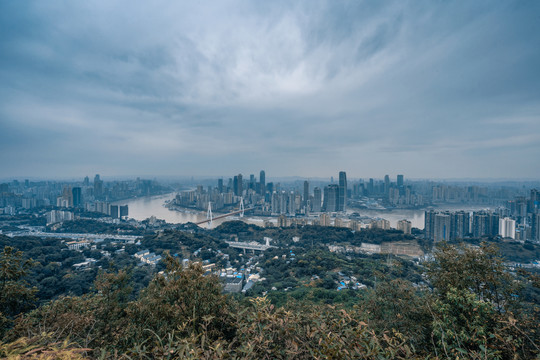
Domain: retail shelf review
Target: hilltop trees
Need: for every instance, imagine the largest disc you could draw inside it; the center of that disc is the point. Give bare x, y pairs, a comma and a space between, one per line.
476, 307
16, 296
468, 307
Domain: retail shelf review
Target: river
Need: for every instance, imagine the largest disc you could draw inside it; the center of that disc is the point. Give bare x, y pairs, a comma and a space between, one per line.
145, 207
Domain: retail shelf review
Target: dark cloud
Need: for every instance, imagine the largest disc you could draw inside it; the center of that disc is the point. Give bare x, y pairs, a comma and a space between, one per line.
425, 88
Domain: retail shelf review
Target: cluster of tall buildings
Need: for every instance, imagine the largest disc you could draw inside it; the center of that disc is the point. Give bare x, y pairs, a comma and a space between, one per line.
389, 193
227, 194
86, 195
269, 199
333, 198
71, 197
104, 207
447, 225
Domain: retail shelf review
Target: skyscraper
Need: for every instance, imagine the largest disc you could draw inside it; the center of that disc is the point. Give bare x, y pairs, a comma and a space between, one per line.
306, 192
460, 225
429, 223
536, 227
291, 209
98, 187
316, 205
485, 223
331, 198
479, 224
442, 226
275, 203
252, 182
239, 185
262, 181
400, 180
77, 196
342, 192
220, 185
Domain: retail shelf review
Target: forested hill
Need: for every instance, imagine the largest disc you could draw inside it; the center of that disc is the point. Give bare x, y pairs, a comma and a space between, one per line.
308, 302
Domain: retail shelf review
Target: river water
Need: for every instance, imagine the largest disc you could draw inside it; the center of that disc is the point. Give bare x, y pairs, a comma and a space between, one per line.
145, 207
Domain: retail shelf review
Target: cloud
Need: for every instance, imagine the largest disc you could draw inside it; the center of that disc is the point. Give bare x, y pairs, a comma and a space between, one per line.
301, 88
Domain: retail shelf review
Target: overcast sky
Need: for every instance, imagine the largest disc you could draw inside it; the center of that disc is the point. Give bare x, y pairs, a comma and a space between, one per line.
429, 89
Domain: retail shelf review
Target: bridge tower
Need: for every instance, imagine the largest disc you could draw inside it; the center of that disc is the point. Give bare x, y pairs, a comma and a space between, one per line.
209, 214
242, 207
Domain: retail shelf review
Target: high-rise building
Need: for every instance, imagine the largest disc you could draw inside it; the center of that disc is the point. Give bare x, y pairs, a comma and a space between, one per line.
429, 223
283, 198
507, 228
441, 230
252, 182
275, 203
124, 210
68, 195
306, 193
405, 226
493, 224
386, 184
77, 196
114, 211
536, 227
400, 181
291, 209
86, 181
485, 224
342, 192
239, 185
220, 185
534, 202
262, 181
371, 187
98, 187
460, 226
330, 201
317, 198
479, 224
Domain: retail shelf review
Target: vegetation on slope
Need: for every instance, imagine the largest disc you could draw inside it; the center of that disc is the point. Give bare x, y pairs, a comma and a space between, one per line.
470, 310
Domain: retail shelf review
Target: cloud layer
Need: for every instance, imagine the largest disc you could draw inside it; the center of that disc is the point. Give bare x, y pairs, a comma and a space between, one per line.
425, 88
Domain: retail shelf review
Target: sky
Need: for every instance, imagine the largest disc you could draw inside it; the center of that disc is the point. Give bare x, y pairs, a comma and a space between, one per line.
429, 89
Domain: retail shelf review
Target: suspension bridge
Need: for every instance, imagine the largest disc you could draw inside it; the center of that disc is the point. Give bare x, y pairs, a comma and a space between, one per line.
210, 217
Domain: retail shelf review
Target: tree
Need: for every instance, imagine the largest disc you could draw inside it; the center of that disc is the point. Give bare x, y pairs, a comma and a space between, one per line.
395, 305
16, 295
480, 270
476, 307
181, 298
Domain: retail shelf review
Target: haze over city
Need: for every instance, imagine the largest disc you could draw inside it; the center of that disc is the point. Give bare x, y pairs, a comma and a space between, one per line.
232, 179
431, 89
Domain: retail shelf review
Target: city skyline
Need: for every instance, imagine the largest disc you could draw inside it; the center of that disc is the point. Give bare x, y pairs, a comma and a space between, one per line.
431, 90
